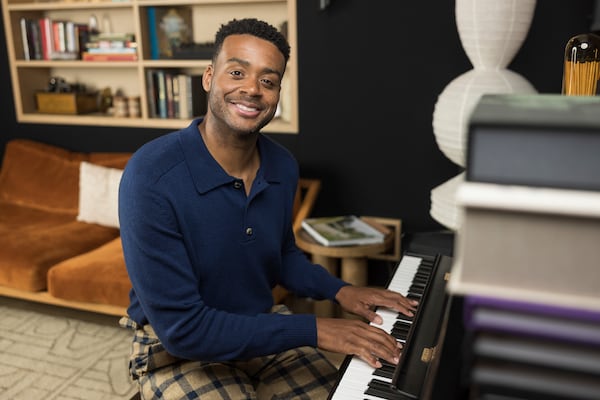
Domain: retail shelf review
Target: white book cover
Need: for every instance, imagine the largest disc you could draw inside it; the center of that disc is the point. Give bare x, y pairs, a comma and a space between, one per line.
25, 39
185, 96
345, 230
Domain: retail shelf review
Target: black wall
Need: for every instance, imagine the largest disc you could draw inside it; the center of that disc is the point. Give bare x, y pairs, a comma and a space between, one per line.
369, 76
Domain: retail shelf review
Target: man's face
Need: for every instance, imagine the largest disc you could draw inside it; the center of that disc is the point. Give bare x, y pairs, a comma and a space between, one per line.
244, 82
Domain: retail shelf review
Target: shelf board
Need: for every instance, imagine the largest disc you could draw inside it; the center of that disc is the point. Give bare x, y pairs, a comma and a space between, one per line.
62, 5
145, 3
75, 64
103, 4
276, 125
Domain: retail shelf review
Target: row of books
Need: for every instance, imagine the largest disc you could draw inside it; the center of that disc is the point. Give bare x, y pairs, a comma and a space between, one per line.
526, 260
175, 95
47, 39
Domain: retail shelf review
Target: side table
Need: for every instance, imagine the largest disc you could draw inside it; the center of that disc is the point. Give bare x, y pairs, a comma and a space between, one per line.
353, 260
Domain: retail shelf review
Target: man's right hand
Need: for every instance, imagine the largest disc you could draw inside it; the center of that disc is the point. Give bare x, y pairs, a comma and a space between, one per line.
355, 337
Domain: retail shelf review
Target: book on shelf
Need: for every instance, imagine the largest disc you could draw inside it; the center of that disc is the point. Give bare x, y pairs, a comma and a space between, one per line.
161, 91
152, 93
35, 45
107, 50
152, 32
26, 38
87, 56
192, 96
508, 131
509, 321
344, 230
175, 97
506, 380
46, 38
169, 94
534, 351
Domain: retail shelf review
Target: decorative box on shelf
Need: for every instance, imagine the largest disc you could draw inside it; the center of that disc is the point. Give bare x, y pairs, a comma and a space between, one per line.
66, 103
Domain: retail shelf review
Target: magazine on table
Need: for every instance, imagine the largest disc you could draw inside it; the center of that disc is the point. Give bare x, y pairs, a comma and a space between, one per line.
344, 230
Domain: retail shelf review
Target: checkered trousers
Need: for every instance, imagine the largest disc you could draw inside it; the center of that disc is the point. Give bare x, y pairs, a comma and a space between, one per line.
301, 373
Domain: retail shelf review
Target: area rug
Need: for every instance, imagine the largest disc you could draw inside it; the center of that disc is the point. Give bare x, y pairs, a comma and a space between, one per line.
48, 356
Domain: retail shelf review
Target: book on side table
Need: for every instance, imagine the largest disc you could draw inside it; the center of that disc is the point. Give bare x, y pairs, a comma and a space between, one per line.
344, 230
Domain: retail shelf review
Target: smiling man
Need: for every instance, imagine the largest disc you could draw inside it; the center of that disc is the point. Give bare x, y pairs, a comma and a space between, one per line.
206, 225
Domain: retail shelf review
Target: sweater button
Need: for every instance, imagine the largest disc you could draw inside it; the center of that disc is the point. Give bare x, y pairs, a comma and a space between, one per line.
237, 185
249, 231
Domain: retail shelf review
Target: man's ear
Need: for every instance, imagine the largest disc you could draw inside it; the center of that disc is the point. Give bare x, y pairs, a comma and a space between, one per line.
207, 78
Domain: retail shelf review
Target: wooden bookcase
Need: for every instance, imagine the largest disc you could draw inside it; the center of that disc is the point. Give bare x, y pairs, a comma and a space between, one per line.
129, 77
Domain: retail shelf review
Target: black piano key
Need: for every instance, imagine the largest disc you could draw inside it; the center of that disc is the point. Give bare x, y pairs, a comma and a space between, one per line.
422, 276
399, 333
405, 318
386, 370
419, 282
385, 390
418, 285
400, 327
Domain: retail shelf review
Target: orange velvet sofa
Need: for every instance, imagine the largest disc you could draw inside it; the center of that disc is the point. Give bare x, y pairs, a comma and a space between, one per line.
48, 253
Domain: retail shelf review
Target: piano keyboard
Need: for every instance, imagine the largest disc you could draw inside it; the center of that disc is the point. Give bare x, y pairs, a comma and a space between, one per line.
410, 280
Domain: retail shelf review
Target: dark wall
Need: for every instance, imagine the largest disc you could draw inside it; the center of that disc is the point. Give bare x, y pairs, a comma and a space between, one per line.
369, 76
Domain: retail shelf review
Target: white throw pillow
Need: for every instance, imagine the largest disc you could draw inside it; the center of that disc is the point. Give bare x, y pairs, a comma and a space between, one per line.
99, 194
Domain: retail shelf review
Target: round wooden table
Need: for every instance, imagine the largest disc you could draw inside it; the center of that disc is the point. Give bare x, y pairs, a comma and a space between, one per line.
353, 258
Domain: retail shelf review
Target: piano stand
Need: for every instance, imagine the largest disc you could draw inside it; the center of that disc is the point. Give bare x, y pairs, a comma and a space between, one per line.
352, 260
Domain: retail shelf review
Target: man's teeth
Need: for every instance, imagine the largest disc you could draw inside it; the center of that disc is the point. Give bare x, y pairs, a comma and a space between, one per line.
245, 108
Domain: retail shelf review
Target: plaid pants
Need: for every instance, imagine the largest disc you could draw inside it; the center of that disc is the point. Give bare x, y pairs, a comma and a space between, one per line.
302, 373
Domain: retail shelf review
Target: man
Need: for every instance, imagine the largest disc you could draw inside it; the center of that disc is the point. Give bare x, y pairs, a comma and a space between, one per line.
206, 225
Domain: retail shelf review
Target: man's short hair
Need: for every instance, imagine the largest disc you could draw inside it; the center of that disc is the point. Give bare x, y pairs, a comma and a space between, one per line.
254, 27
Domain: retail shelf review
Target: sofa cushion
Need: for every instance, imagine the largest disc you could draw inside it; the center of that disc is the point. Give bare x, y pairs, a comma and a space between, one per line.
15, 219
99, 194
98, 276
40, 176
43, 176
27, 253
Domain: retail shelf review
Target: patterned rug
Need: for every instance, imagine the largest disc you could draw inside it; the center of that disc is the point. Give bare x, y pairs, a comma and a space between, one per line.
51, 353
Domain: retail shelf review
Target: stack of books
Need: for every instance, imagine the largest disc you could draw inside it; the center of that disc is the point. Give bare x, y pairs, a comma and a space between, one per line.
111, 47
526, 256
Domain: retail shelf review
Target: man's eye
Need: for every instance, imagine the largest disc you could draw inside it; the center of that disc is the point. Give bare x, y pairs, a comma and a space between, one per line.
236, 73
269, 83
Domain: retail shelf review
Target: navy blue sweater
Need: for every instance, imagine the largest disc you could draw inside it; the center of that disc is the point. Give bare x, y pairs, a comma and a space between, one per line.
203, 256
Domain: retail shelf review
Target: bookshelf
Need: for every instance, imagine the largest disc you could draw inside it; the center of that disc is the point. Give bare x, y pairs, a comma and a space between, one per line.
129, 77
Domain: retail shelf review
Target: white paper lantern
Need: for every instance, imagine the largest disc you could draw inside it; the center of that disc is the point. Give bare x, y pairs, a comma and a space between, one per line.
457, 101
491, 33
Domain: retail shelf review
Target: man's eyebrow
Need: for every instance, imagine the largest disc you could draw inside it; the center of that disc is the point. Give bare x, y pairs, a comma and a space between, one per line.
246, 64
